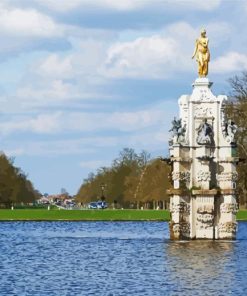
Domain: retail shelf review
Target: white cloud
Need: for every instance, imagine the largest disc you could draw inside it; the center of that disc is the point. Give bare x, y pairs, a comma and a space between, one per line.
40, 124
49, 147
65, 5
84, 60
83, 122
155, 57
219, 32
45, 94
230, 62
27, 23
60, 122
79, 133
162, 55
151, 141
56, 66
128, 5
144, 57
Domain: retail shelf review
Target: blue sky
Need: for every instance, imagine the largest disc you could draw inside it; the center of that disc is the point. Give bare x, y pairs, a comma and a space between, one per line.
82, 79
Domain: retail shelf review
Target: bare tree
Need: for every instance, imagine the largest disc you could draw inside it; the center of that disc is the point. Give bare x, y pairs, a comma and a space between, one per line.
237, 111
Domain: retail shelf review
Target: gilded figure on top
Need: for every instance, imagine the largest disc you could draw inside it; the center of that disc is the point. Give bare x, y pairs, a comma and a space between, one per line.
202, 54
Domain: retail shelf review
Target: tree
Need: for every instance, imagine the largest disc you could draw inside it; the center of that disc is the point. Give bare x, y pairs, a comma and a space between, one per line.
90, 189
237, 111
14, 185
124, 180
153, 184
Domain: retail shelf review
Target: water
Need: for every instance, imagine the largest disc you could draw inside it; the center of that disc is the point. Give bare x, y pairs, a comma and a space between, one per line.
116, 258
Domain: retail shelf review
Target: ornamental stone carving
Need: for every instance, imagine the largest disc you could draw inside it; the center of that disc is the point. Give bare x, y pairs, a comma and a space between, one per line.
205, 220
204, 94
181, 207
201, 111
229, 131
178, 132
181, 176
228, 227
229, 208
205, 209
205, 216
227, 176
205, 133
181, 228
203, 176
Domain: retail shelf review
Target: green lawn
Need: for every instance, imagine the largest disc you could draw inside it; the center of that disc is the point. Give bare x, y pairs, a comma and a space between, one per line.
85, 215
242, 215
92, 215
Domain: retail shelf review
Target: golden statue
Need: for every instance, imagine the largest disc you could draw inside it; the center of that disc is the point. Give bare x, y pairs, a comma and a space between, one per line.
202, 54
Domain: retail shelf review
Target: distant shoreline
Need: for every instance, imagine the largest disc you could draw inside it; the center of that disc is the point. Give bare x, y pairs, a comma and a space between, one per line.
37, 215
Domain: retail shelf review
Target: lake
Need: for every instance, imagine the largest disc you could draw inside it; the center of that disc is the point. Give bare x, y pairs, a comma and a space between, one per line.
116, 258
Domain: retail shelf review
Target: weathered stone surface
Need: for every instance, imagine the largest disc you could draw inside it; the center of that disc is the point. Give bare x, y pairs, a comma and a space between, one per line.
227, 229
181, 207
203, 197
229, 208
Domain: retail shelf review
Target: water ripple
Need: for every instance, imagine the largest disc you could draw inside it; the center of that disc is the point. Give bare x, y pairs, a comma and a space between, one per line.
111, 259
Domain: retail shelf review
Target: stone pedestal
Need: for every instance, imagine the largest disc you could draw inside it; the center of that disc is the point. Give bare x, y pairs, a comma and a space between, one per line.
203, 153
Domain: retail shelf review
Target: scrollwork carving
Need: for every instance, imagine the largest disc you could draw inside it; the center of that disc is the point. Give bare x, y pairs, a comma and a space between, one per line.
181, 176
203, 176
205, 220
205, 209
181, 228
205, 216
229, 208
181, 207
228, 227
201, 111
227, 176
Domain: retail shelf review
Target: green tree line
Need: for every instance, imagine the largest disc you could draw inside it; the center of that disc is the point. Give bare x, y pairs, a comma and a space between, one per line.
237, 111
15, 188
133, 180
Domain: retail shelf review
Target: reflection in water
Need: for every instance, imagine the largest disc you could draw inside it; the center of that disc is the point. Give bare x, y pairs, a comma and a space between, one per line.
200, 265
116, 259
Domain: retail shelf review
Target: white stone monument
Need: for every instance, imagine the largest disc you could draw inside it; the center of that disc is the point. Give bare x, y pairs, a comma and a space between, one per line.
203, 156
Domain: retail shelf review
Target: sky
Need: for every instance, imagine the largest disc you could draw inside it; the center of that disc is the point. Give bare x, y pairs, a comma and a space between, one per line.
80, 80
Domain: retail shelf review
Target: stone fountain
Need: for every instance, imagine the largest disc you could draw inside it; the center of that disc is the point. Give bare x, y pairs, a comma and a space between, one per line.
203, 155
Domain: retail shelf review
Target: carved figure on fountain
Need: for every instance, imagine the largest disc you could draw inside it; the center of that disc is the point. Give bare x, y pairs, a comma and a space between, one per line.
229, 131
178, 132
205, 133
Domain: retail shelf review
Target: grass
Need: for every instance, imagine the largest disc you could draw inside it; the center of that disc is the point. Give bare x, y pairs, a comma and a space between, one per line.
91, 215
84, 215
242, 215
